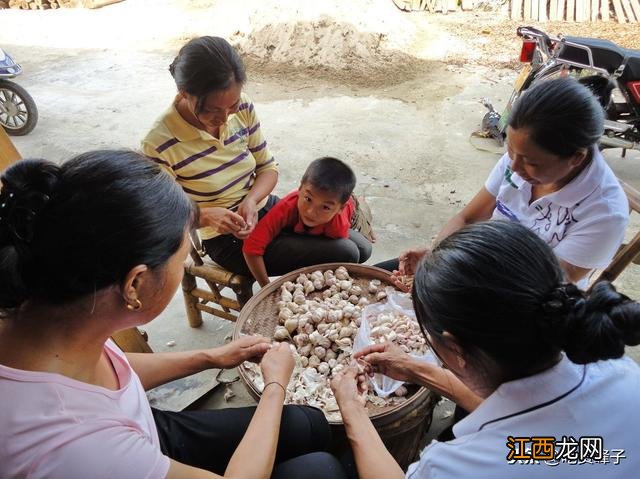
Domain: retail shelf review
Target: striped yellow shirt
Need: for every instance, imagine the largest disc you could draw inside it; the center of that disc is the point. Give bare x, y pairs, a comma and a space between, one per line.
212, 171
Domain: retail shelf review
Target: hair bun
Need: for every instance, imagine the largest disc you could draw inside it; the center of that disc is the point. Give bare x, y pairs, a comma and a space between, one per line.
603, 326
27, 188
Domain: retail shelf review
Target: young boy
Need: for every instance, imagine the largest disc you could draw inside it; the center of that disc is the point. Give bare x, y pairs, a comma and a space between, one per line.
321, 206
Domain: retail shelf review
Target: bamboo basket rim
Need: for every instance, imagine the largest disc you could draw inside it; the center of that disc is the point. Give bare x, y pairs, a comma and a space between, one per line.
366, 271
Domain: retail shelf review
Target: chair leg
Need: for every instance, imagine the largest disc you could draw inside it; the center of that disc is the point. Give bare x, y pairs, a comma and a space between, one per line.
194, 315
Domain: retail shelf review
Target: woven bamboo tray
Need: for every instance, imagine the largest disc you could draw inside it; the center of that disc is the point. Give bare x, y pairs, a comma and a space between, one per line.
260, 316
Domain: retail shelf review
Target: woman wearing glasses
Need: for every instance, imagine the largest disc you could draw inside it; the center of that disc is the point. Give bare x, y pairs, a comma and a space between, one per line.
530, 356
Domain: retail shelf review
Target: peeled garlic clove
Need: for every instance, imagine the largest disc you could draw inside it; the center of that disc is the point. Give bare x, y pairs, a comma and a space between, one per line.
320, 352
401, 391
291, 325
281, 334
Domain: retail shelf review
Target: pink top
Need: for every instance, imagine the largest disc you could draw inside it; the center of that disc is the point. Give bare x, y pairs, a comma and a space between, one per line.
56, 427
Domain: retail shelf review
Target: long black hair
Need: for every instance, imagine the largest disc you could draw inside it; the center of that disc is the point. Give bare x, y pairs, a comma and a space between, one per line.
499, 290
207, 64
70, 230
561, 115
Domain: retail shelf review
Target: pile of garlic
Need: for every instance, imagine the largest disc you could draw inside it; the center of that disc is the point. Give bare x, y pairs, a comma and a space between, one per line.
400, 329
320, 315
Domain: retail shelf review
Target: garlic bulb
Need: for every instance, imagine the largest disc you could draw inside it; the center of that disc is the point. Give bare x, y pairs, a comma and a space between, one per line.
309, 287
342, 273
302, 278
291, 325
401, 391
281, 334
314, 361
320, 352
288, 286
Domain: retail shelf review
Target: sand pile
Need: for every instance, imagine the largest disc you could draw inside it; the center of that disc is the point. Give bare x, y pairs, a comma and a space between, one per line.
326, 47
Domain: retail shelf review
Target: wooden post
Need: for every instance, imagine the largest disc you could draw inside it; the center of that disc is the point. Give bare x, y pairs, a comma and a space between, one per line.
527, 9
560, 13
8, 152
617, 7
542, 10
635, 5
516, 9
553, 10
628, 11
604, 10
190, 301
571, 8
594, 10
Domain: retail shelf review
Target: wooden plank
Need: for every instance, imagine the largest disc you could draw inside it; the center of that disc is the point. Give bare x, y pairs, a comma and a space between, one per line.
617, 7
560, 12
571, 8
595, 4
542, 10
628, 11
516, 9
579, 10
527, 9
604, 10
8, 152
553, 10
534, 10
635, 5
586, 10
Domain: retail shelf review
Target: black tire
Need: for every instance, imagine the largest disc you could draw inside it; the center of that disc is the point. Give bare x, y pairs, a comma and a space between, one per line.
24, 111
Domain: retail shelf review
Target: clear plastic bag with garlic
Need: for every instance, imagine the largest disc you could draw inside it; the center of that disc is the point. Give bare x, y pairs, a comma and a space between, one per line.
394, 321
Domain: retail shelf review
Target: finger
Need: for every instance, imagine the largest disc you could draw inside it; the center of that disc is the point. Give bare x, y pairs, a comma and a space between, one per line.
372, 348
231, 225
255, 350
374, 359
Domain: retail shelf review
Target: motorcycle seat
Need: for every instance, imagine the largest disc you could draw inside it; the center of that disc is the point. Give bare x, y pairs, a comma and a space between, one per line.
606, 54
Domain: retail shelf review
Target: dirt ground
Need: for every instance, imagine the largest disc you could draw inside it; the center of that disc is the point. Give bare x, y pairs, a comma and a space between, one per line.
395, 94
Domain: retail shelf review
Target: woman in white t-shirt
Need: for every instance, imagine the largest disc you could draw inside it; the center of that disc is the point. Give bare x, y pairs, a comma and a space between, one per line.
89, 248
553, 180
538, 362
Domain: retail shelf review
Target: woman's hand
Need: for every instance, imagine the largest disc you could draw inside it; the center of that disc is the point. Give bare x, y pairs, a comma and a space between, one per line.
349, 387
247, 348
387, 359
402, 278
277, 364
248, 209
222, 220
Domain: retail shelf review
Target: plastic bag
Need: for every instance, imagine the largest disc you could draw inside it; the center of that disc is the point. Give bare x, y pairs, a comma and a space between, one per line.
396, 302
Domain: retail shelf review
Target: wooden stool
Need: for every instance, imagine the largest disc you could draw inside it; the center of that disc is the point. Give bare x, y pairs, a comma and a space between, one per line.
217, 278
628, 253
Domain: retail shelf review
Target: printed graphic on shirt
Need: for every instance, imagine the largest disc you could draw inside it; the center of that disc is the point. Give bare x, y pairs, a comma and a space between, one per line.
552, 223
548, 450
508, 172
506, 212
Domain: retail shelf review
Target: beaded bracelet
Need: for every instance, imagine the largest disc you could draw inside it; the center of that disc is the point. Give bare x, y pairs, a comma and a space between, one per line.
276, 382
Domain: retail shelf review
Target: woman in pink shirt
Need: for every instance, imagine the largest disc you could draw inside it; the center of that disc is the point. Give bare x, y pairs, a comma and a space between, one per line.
86, 251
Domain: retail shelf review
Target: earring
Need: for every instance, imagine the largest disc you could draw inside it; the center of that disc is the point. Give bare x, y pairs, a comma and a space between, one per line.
136, 306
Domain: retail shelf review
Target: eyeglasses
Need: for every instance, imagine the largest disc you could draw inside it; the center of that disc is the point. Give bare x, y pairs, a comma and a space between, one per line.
439, 359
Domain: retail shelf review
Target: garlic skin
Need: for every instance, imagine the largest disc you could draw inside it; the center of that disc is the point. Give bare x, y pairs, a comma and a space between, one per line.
281, 334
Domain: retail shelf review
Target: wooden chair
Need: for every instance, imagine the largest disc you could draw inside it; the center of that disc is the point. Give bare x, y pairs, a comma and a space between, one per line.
629, 252
212, 301
129, 340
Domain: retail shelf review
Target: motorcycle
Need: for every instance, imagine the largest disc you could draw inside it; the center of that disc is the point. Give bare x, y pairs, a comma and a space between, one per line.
18, 111
610, 71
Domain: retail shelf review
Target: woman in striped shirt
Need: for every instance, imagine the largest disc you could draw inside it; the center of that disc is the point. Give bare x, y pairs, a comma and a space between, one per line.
210, 141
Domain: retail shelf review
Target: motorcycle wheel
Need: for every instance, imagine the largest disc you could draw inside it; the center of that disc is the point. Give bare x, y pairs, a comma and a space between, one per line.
18, 111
